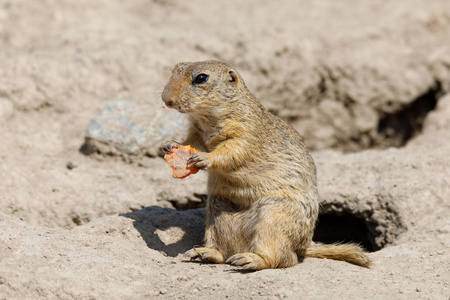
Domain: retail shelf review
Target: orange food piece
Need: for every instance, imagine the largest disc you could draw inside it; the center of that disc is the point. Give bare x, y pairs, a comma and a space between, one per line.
178, 161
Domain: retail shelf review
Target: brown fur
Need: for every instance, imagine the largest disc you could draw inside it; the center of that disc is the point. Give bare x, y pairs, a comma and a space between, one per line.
263, 202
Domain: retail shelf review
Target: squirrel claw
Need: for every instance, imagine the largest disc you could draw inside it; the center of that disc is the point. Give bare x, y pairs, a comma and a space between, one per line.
167, 146
205, 254
199, 160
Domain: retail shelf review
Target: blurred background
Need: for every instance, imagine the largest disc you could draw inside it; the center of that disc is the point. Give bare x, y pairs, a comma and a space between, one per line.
348, 75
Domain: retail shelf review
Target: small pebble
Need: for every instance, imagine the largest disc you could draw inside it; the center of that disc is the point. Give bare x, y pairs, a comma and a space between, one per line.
70, 165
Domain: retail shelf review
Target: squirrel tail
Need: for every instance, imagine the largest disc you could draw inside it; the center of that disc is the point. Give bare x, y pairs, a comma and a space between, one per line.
351, 253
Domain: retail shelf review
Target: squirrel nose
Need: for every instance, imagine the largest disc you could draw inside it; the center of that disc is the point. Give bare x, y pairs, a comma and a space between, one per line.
169, 103
167, 99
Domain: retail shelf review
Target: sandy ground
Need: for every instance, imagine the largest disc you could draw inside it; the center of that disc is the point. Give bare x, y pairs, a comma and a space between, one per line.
366, 83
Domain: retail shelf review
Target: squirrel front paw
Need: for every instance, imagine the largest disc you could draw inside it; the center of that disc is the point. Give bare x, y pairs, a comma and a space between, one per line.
200, 160
167, 146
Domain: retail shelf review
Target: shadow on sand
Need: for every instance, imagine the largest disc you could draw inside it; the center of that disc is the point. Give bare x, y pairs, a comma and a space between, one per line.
168, 230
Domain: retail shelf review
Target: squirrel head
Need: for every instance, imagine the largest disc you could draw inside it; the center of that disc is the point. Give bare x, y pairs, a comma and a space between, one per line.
207, 88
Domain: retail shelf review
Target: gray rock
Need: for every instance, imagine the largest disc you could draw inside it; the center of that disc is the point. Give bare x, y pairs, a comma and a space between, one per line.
133, 129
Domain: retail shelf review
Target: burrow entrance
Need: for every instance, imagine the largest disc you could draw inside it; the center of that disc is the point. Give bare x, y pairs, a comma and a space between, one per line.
399, 127
334, 228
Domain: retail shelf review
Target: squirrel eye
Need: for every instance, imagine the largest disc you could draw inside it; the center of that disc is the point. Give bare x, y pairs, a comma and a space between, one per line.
200, 78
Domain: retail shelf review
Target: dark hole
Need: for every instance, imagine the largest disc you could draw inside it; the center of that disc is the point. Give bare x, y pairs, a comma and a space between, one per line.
188, 205
199, 202
332, 228
402, 125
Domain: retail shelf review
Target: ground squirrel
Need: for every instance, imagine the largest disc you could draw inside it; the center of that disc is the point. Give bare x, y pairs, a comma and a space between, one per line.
262, 202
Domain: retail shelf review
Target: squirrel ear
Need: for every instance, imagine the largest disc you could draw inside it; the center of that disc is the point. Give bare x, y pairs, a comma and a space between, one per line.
232, 76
